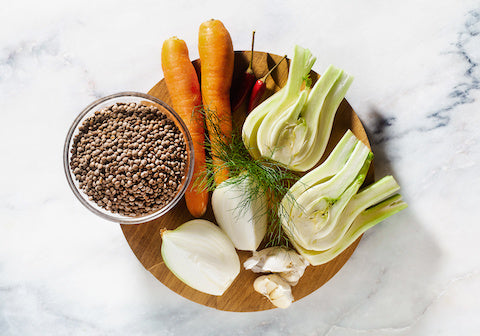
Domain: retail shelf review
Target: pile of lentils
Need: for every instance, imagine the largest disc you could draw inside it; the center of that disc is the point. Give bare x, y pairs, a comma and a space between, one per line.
129, 158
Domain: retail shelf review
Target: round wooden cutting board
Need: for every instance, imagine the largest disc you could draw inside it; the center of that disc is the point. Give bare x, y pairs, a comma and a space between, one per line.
145, 241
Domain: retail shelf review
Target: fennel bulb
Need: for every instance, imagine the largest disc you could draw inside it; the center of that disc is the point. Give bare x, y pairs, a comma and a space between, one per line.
325, 210
293, 125
201, 255
364, 221
244, 220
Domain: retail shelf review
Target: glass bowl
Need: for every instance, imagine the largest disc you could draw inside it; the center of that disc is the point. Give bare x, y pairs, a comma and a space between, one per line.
127, 97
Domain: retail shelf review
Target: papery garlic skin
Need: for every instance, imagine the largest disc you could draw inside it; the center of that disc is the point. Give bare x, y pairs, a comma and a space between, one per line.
292, 277
244, 221
276, 289
277, 259
200, 254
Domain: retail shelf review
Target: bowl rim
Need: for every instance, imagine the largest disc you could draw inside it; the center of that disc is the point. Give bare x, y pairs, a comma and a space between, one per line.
117, 217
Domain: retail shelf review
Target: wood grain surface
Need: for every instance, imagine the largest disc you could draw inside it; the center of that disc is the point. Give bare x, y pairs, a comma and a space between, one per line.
145, 241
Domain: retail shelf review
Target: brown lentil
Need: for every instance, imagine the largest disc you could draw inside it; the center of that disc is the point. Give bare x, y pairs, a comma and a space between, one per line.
117, 152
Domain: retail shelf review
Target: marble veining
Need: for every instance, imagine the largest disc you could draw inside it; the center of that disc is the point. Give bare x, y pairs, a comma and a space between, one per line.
459, 95
64, 271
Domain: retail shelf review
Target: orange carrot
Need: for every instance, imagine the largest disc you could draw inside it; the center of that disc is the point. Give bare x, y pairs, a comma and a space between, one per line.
184, 89
216, 61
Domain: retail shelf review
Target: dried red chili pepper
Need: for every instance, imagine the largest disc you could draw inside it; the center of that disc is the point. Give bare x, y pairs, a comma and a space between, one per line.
259, 88
242, 87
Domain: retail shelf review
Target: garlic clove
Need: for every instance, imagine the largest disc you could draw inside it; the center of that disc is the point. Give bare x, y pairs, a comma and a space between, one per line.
200, 254
292, 277
243, 220
276, 289
287, 262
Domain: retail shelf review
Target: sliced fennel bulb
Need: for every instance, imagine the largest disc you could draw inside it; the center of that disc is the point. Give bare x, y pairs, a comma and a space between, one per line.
243, 220
201, 255
293, 125
364, 221
325, 211
300, 67
323, 203
318, 207
364, 199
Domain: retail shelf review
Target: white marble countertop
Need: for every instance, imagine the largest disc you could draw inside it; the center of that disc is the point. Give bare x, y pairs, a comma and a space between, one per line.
64, 271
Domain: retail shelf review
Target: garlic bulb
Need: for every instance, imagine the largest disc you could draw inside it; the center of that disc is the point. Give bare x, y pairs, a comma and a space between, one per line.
288, 263
200, 254
277, 290
244, 220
